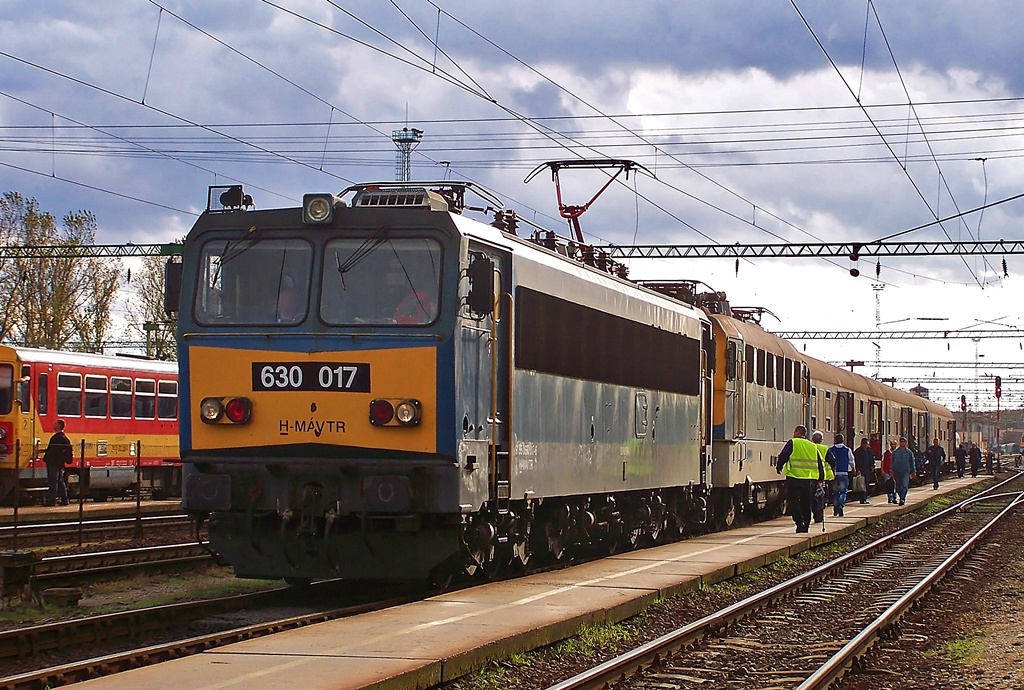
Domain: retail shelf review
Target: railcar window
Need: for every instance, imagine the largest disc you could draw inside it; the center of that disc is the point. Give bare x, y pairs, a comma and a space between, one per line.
730, 360
798, 377
69, 395
748, 356
6, 388
828, 395
760, 366
769, 370
43, 392
167, 400
120, 397
145, 398
95, 396
781, 366
254, 282
814, 421
787, 371
381, 282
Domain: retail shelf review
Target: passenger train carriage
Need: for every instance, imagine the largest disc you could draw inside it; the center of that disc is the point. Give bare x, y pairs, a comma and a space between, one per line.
377, 386
764, 387
114, 405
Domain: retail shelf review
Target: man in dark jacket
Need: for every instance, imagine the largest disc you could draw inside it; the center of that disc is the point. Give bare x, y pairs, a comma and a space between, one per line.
936, 456
961, 460
57, 456
865, 461
975, 456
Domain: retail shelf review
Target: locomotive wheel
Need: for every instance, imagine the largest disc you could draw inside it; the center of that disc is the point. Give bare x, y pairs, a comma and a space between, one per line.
727, 512
556, 541
522, 551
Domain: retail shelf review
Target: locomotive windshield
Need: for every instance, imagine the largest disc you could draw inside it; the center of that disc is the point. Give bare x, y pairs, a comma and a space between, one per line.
6, 388
254, 282
377, 281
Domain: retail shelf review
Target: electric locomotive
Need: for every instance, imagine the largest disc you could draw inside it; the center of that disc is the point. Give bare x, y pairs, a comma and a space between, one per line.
376, 386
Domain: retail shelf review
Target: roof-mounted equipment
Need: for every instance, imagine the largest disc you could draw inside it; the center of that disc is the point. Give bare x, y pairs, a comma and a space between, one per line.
227, 198
573, 213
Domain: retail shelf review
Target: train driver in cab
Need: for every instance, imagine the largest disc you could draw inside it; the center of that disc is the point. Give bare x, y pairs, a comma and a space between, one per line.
290, 305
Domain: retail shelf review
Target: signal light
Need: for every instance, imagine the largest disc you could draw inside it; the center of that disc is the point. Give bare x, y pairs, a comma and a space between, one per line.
238, 410
999, 386
381, 412
395, 413
963, 403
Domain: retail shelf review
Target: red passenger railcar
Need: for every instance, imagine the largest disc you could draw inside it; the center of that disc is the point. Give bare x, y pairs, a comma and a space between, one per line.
120, 411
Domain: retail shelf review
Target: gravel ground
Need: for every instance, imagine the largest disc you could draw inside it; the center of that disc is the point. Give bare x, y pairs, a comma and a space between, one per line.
966, 635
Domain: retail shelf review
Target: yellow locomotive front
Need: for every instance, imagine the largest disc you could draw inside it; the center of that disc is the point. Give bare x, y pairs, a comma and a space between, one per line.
317, 373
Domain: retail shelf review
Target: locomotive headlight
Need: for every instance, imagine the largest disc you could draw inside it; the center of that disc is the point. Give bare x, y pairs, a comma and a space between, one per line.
317, 208
3, 433
210, 409
408, 412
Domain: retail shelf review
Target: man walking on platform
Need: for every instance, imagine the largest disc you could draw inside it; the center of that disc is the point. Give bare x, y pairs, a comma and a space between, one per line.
975, 456
57, 457
801, 463
936, 456
903, 466
890, 485
961, 460
865, 460
841, 457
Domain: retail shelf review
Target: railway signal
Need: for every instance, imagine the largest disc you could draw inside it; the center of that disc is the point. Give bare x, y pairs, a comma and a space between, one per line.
963, 403
999, 387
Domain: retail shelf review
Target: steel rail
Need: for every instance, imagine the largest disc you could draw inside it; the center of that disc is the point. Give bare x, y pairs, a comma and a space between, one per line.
834, 669
83, 565
650, 653
46, 533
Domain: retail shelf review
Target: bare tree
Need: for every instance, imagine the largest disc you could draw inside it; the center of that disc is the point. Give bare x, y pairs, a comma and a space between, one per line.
55, 302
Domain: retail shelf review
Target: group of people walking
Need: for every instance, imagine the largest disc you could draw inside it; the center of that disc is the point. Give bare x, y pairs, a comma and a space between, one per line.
811, 468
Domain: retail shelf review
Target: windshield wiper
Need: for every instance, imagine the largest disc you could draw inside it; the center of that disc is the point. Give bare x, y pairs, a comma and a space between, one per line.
368, 246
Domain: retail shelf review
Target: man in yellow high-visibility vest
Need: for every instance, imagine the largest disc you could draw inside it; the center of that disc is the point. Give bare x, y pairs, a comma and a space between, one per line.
801, 463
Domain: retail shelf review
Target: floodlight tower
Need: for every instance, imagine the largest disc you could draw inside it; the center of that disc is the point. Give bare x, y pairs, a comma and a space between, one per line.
406, 140
878, 287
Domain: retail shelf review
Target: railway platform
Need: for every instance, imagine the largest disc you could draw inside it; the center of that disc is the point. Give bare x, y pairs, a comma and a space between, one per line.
30, 515
436, 640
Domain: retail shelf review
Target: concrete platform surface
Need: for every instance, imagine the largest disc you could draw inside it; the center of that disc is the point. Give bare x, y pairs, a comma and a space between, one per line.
439, 639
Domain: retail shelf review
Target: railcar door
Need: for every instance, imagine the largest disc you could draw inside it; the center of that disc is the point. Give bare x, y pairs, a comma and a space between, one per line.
707, 365
484, 384
876, 431
845, 421
735, 419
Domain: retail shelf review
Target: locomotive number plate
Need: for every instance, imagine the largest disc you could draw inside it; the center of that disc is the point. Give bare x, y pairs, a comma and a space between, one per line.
311, 376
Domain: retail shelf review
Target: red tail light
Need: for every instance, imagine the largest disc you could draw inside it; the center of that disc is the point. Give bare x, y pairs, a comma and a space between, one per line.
381, 412
238, 410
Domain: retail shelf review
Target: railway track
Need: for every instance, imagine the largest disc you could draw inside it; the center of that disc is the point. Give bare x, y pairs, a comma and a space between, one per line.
37, 535
53, 570
121, 631
808, 631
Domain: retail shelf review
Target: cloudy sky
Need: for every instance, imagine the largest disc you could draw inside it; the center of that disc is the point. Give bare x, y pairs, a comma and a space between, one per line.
767, 121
